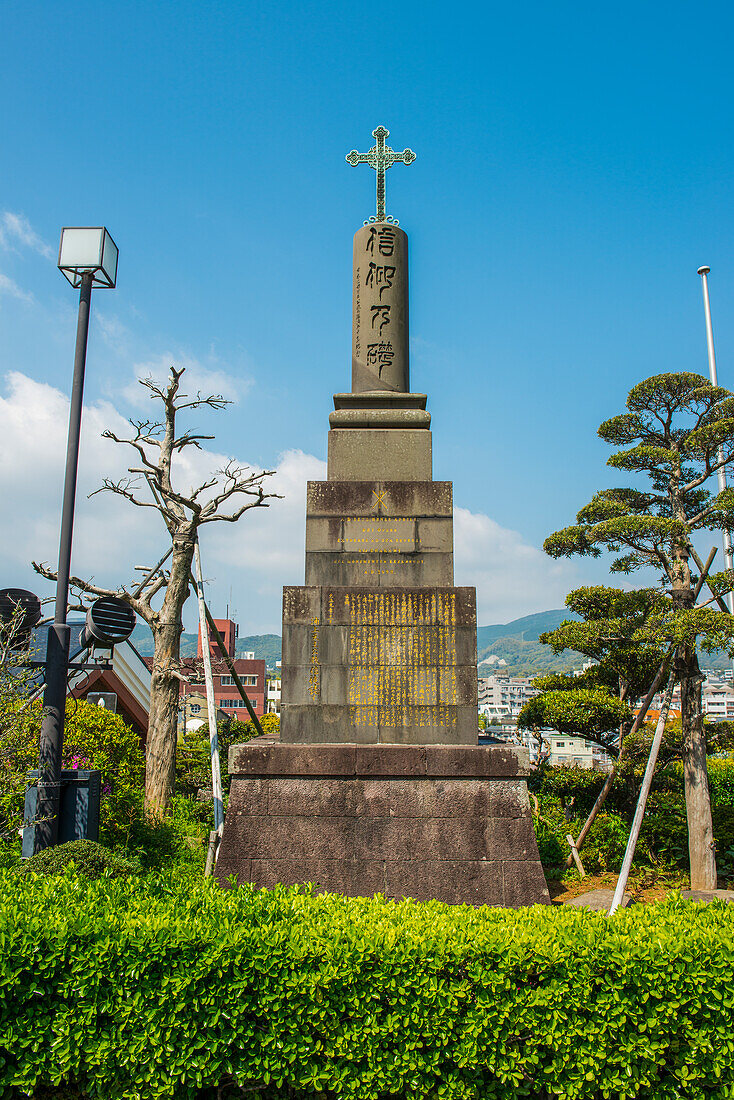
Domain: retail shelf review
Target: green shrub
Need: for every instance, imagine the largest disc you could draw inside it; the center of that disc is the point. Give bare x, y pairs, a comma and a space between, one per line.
151, 989
89, 858
721, 782
93, 738
604, 847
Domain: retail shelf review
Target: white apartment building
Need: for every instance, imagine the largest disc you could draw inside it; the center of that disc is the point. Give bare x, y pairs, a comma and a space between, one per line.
273, 693
570, 752
717, 697
503, 697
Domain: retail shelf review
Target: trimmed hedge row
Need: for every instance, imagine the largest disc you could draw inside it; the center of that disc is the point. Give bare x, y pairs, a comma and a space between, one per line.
148, 989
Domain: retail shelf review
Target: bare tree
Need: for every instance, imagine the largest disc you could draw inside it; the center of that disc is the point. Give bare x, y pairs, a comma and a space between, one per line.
225, 496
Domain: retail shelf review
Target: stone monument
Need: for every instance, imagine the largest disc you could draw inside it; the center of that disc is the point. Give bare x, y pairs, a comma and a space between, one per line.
378, 784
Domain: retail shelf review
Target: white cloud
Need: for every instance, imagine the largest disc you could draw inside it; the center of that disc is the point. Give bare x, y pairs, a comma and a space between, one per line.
253, 558
12, 290
511, 577
17, 230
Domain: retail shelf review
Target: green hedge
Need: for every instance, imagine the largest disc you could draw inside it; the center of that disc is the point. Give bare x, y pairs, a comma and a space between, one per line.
148, 989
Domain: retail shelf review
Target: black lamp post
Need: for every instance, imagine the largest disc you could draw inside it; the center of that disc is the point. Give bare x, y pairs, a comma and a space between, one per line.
87, 258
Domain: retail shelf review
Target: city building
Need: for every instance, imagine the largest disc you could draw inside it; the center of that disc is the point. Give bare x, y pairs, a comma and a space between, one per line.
717, 698
570, 752
226, 696
503, 697
274, 693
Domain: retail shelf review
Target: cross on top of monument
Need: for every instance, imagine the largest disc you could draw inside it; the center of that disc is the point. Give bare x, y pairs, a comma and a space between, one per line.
380, 157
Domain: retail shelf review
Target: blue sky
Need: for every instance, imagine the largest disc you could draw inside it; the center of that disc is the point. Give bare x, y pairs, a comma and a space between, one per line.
574, 169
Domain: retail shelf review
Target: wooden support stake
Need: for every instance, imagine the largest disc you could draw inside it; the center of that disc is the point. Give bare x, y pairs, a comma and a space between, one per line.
230, 665
576, 856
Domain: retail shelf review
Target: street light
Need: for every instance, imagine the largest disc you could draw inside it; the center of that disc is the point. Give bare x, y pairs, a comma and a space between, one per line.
87, 258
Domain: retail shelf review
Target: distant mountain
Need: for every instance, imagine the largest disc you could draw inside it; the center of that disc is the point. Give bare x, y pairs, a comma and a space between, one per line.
266, 647
516, 643
529, 628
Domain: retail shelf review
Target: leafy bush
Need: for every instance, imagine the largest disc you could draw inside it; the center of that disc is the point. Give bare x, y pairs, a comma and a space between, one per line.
565, 796
93, 738
606, 842
90, 860
156, 990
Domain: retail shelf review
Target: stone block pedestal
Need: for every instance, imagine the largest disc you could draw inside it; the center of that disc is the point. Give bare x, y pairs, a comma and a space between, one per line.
422, 821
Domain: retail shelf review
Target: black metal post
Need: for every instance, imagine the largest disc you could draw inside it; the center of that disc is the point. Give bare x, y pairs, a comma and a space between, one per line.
57, 655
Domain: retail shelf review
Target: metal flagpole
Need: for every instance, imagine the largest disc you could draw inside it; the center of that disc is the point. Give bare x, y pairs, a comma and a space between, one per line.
721, 472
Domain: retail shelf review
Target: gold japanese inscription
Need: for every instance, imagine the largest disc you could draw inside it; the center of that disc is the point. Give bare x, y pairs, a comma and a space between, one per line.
402, 658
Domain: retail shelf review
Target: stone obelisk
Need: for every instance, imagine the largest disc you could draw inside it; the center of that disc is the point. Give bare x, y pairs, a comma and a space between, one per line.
378, 783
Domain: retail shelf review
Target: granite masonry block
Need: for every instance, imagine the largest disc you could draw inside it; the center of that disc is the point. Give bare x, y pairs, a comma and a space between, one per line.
380, 570
301, 605
524, 883
251, 759
300, 640
457, 882
437, 798
466, 606
450, 762
421, 838
309, 724
301, 684
425, 735
303, 838
370, 498
474, 760
335, 681
457, 685
252, 797
355, 878
377, 454
514, 836
509, 799
314, 797
390, 760
324, 533
435, 535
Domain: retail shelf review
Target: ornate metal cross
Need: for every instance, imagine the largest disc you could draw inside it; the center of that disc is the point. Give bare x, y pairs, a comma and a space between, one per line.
380, 157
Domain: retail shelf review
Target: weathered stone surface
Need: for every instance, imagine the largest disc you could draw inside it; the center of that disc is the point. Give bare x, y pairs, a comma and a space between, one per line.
389, 498
381, 570
379, 454
355, 878
366, 819
598, 900
380, 352
477, 760
380, 418
708, 895
259, 758
457, 882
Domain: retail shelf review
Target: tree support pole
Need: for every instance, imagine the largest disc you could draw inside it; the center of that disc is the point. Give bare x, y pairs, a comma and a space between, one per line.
602, 796
230, 665
211, 708
642, 800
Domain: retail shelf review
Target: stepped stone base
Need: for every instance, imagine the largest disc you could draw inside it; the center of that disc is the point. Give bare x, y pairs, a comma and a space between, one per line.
423, 821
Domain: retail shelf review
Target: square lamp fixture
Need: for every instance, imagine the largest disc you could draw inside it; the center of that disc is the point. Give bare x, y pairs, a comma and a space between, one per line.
88, 251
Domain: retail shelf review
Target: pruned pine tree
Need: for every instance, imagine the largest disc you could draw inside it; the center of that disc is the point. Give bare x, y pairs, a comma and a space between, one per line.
614, 631
223, 497
677, 431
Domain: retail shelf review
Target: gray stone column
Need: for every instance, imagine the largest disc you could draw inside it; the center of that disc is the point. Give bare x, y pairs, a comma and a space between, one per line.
380, 309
